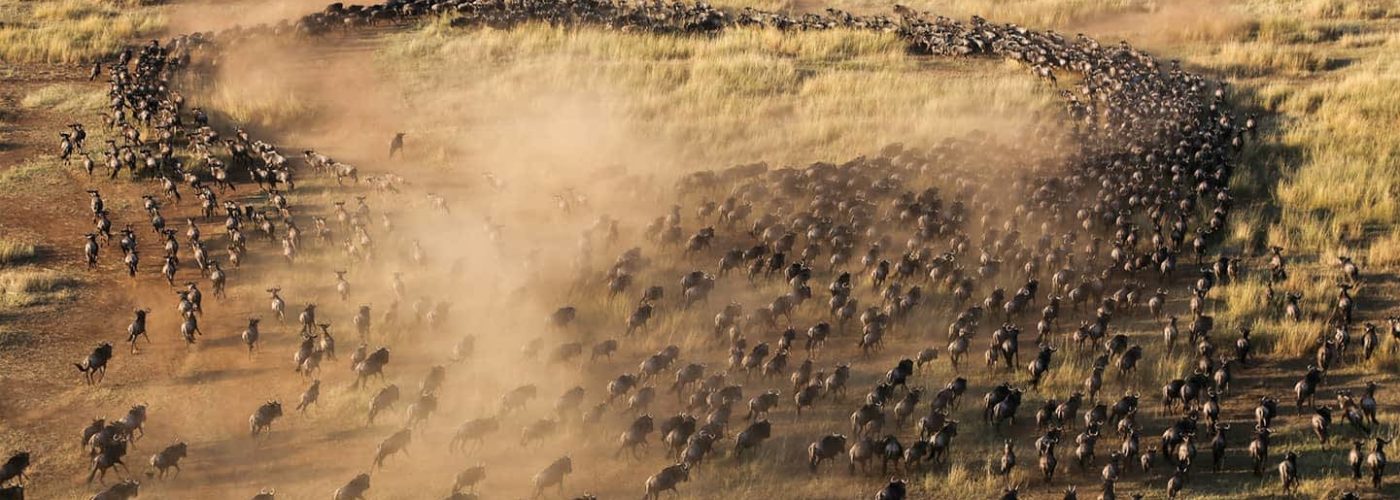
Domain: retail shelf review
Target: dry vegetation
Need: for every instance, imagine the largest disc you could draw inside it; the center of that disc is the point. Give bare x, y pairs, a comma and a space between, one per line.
73, 31
668, 103
1323, 181
15, 252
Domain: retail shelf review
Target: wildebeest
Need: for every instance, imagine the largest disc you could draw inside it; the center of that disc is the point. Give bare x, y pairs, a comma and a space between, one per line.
373, 365
517, 398
263, 417
108, 456
353, 490
384, 399
474, 431
896, 489
1288, 472
251, 335
827, 448
168, 458
752, 436
668, 479
310, 396
395, 443
468, 478
94, 368
552, 475
137, 328
1376, 461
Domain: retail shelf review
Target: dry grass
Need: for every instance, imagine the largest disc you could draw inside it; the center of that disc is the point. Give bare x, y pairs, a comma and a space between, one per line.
31, 287
737, 97
34, 173
1352, 9
16, 252
70, 31
65, 98
1328, 170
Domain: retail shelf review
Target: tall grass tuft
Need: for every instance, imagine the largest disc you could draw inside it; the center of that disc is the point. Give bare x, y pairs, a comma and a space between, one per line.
16, 252
72, 31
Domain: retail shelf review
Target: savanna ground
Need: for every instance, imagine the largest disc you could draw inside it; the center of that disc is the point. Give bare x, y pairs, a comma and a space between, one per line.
615, 117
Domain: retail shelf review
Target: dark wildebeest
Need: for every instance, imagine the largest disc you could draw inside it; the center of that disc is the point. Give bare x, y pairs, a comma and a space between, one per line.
264, 416
635, 435
468, 479
1288, 473
825, 449
752, 436
137, 329
667, 479
897, 489
94, 368
353, 490
373, 365
169, 457
109, 456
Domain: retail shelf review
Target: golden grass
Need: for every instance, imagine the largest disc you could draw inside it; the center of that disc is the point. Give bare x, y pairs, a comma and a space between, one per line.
66, 98
740, 96
71, 31
30, 287
14, 252
1253, 59
1352, 9
840, 88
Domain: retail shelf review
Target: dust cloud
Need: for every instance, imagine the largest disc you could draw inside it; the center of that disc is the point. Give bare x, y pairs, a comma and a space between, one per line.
504, 193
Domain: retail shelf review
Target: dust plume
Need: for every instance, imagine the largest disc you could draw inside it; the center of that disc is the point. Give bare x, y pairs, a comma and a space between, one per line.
521, 147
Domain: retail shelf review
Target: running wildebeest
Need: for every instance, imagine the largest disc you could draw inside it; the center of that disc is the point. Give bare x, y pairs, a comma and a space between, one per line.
1288, 473
94, 368
353, 490
310, 396
468, 478
552, 475
396, 145
395, 443
668, 479
137, 329
383, 400
168, 458
373, 365
263, 418
474, 431
250, 335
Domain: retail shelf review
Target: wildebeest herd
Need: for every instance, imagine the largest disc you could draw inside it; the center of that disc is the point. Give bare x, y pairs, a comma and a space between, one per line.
907, 241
